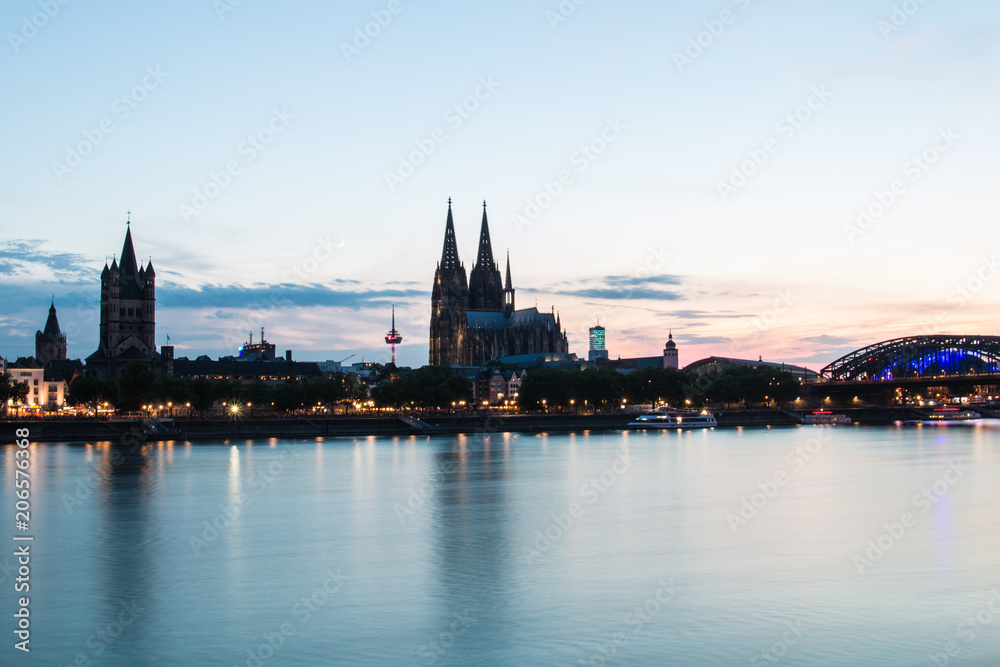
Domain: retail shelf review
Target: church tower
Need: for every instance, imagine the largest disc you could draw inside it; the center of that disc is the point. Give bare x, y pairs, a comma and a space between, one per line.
486, 290
50, 344
449, 301
670, 352
508, 291
128, 314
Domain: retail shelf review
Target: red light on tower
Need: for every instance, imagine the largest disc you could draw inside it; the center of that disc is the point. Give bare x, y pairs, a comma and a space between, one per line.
392, 337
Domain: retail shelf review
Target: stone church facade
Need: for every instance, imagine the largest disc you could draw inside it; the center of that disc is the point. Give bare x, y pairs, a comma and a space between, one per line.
474, 319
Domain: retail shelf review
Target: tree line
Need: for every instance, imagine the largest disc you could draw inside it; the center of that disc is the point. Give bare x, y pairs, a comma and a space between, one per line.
427, 387
137, 387
440, 387
604, 387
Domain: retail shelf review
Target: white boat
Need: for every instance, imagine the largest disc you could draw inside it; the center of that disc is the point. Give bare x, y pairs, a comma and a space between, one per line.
664, 418
825, 418
952, 414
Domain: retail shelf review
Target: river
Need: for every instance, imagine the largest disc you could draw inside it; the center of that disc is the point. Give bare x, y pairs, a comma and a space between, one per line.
792, 546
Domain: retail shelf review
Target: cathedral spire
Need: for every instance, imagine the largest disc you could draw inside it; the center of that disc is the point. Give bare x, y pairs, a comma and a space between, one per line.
484, 258
449, 254
508, 291
129, 266
485, 283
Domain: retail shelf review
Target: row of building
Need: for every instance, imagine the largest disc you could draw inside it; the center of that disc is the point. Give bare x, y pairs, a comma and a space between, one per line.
474, 321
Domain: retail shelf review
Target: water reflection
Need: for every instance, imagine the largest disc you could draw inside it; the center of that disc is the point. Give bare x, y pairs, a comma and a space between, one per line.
126, 558
473, 547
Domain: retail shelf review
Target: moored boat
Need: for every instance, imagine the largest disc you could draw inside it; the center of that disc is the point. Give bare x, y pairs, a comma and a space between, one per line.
825, 418
665, 418
951, 414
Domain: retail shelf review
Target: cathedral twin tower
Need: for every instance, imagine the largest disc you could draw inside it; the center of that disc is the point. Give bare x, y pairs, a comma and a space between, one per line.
474, 321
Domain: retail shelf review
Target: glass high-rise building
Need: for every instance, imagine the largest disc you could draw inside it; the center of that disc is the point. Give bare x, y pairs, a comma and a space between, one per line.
597, 343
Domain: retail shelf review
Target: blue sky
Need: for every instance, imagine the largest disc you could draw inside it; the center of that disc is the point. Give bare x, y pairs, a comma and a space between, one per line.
696, 165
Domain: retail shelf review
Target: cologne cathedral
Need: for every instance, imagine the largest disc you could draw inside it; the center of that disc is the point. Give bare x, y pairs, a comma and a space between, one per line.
473, 320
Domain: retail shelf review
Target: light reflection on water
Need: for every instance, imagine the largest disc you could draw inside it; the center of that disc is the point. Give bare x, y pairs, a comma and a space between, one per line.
698, 547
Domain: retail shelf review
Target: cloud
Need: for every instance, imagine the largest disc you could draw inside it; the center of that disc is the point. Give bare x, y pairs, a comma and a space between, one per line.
615, 288
626, 281
818, 359
282, 295
612, 294
695, 339
18, 256
699, 315
826, 339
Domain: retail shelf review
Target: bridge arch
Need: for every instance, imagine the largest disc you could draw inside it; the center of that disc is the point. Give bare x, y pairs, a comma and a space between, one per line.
918, 357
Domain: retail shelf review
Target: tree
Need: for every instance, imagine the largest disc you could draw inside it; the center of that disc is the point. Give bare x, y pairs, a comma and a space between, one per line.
229, 392
430, 387
654, 384
725, 387
257, 393
438, 386
202, 395
12, 391
351, 386
753, 384
597, 386
171, 389
783, 387
88, 391
134, 386
390, 393
288, 396
551, 385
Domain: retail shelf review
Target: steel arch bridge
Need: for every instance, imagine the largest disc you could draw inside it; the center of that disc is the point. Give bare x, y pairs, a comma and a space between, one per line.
918, 357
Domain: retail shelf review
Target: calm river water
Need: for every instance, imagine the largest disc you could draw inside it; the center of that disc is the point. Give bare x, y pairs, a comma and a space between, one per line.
792, 546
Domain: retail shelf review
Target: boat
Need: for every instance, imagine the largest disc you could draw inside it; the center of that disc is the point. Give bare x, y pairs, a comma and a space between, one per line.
825, 418
951, 415
665, 418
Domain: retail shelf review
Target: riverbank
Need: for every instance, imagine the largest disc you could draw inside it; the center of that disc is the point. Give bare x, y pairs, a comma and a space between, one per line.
59, 430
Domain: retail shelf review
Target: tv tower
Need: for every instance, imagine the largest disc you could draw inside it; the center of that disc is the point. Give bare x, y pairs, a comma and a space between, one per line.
393, 338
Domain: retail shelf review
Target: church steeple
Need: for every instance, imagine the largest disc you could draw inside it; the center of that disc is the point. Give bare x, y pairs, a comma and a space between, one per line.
449, 253
449, 301
52, 323
508, 291
129, 266
485, 283
484, 257
50, 343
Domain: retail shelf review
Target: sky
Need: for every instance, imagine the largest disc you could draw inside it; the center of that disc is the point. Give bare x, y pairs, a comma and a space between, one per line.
788, 179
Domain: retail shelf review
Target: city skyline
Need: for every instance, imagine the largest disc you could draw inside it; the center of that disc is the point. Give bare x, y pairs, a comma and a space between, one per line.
706, 178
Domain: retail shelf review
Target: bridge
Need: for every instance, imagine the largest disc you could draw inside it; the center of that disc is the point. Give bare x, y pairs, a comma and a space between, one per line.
919, 357
917, 363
